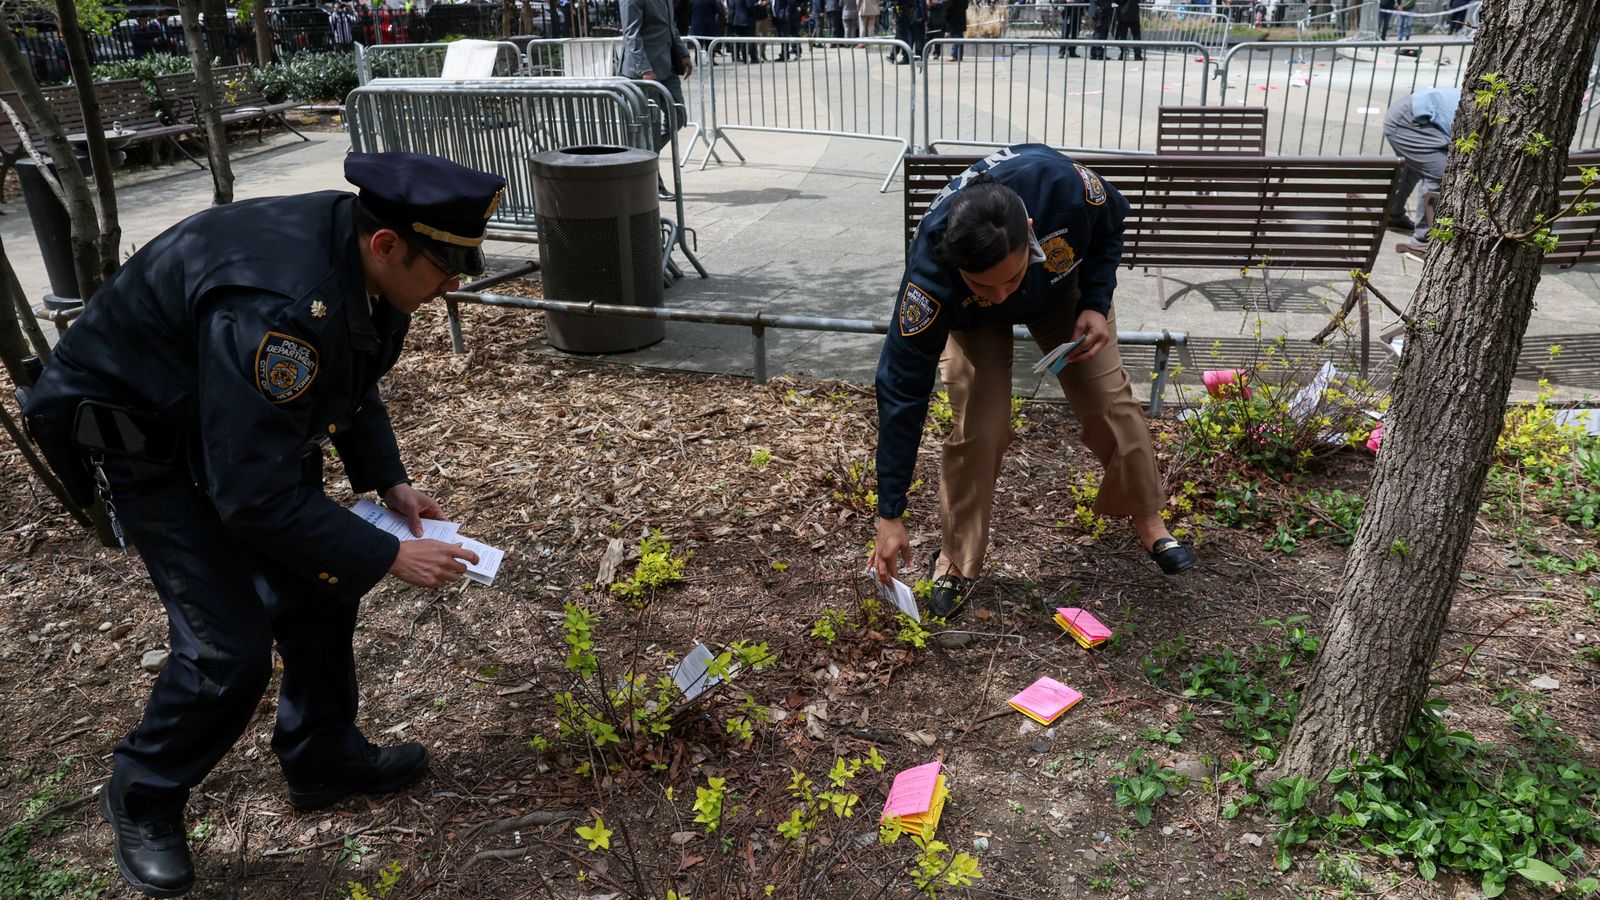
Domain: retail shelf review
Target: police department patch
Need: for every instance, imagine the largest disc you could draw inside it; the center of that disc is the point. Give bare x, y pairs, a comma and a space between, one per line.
285, 367
1058, 253
917, 310
1094, 190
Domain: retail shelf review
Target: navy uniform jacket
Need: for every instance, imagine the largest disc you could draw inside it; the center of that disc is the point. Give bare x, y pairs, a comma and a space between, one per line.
1077, 218
248, 326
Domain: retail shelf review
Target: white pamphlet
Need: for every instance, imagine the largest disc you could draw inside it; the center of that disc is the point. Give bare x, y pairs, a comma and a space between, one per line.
900, 596
483, 571
693, 675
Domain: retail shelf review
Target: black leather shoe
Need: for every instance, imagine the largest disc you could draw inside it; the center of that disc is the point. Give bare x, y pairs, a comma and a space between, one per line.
152, 857
949, 597
1401, 223
664, 193
381, 770
1172, 556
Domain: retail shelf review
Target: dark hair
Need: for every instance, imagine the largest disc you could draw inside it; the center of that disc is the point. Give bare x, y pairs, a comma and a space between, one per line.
986, 223
368, 225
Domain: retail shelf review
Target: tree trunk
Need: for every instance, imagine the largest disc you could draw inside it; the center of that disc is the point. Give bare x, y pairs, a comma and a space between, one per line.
1470, 311
525, 11
105, 184
210, 115
12, 288
13, 350
71, 185
263, 30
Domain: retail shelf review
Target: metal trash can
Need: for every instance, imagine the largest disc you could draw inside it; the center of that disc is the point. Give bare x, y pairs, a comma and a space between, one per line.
53, 228
599, 225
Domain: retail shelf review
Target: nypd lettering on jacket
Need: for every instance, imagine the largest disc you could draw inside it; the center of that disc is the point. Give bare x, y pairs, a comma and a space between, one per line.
1076, 225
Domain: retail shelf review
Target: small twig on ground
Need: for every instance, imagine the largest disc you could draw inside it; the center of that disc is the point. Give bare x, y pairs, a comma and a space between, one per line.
339, 839
531, 820
1473, 650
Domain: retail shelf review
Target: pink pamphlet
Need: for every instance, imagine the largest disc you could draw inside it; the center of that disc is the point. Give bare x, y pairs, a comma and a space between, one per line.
1045, 700
1084, 623
913, 792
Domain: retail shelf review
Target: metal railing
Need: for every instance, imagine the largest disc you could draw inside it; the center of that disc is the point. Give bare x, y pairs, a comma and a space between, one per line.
1367, 21
425, 60
760, 322
497, 125
601, 57
1031, 91
835, 87
1328, 99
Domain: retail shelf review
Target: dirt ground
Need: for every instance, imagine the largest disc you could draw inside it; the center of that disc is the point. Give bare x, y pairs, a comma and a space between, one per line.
552, 458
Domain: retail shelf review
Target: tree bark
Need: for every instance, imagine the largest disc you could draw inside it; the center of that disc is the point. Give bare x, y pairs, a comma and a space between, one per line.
105, 184
72, 186
210, 114
24, 311
263, 30
1471, 309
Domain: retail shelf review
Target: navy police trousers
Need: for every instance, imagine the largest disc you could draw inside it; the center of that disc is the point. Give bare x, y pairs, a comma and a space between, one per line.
226, 608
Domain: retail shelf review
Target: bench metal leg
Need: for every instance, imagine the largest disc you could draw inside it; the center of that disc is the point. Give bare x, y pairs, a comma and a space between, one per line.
285, 123
177, 145
1158, 385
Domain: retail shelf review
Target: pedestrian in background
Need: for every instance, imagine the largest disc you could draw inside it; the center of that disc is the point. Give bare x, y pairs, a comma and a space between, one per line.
850, 15
1071, 22
1127, 22
869, 18
955, 26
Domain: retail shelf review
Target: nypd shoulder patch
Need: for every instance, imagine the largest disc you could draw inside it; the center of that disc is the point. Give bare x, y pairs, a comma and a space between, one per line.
1094, 190
918, 309
285, 367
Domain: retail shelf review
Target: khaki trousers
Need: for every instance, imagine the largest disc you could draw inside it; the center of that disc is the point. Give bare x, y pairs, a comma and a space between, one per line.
976, 368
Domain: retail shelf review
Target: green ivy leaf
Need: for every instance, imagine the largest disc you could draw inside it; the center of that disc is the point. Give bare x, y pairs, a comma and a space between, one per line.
1538, 871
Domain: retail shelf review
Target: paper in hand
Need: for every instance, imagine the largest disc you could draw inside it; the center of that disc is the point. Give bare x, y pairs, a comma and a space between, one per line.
483, 571
899, 596
1056, 359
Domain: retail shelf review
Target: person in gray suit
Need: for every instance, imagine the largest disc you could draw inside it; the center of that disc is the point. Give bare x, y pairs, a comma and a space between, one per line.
653, 51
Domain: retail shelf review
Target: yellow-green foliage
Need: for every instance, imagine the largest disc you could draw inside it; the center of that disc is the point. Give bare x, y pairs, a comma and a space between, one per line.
388, 877
1533, 441
1084, 494
657, 567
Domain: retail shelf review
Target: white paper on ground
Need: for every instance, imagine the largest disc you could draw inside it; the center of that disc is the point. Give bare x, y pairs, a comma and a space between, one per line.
692, 674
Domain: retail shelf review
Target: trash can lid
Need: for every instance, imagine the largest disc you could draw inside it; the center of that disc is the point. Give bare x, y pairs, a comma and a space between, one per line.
598, 161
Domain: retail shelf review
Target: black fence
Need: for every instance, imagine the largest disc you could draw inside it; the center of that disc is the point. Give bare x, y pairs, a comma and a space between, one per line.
293, 29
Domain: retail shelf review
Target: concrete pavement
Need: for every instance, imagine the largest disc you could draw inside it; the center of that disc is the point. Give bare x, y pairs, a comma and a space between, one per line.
801, 229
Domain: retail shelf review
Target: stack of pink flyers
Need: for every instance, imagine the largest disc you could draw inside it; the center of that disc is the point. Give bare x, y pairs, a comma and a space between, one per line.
916, 800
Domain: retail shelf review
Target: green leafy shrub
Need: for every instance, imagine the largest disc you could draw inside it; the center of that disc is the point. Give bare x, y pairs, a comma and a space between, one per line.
311, 76
145, 68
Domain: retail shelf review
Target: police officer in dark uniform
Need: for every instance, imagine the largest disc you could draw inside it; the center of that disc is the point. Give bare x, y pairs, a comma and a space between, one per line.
200, 386
1025, 236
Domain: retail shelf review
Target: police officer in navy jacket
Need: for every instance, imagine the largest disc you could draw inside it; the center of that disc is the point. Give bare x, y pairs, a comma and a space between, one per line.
251, 335
1026, 236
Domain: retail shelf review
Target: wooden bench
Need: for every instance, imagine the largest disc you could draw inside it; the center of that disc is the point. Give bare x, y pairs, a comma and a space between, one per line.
239, 99
1579, 233
1211, 129
1223, 212
127, 103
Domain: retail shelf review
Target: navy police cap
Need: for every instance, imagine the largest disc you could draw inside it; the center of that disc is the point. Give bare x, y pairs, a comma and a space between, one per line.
431, 201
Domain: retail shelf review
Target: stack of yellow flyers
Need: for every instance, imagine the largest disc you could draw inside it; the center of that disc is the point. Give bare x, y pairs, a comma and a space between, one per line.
1083, 626
916, 800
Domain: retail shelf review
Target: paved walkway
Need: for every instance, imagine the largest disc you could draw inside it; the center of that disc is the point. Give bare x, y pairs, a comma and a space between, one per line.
802, 229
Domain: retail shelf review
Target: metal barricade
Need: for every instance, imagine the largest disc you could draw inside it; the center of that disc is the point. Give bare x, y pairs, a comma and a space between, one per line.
1588, 135
759, 321
497, 125
1184, 24
1328, 99
602, 57
1029, 91
424, 61
836, 87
